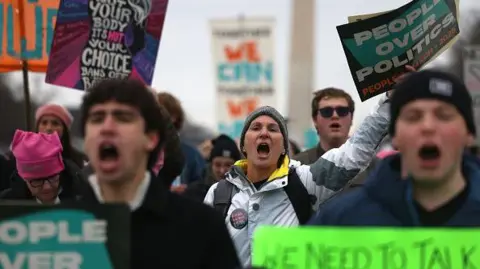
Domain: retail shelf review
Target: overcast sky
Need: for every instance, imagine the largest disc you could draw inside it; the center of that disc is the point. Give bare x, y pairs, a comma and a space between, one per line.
184, 64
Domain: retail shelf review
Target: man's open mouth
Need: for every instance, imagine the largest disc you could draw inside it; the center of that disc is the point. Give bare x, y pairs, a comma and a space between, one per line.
335, 125
108, 152
108, 158
429, 152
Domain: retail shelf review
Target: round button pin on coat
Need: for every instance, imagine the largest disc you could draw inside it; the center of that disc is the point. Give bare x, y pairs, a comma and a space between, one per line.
239, 218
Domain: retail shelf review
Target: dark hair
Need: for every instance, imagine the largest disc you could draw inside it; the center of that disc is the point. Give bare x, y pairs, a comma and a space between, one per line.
129, 92
69, 151
174, 158
174, 108
331, 93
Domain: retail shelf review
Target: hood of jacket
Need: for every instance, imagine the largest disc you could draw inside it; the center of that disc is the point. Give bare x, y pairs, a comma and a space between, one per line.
386, 186
237, 174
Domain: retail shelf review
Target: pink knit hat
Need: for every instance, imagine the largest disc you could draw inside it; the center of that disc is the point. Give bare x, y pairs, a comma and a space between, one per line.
38, 155
55, 110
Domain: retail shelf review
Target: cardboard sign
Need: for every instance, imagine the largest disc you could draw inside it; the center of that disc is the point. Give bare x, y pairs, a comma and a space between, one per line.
95, 40
75, 236
34, 44
365, 248
378, 46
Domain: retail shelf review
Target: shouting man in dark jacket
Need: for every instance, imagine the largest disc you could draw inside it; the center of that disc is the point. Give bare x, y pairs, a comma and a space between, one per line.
431, 125
124, 131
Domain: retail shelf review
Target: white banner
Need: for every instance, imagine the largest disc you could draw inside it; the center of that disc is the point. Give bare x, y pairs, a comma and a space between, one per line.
244, 69
471, 73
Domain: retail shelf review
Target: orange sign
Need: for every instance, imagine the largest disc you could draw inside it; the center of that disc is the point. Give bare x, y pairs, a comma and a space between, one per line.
28, 38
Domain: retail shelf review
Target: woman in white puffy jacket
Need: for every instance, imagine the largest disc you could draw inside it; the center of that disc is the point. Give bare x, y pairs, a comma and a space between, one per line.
259, 189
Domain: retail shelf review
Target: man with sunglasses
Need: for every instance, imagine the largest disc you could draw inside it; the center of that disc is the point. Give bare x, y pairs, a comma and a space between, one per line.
332, 114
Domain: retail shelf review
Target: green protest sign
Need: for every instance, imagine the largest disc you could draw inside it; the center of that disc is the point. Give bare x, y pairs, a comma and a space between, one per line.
64, 236
378, 46
366, 248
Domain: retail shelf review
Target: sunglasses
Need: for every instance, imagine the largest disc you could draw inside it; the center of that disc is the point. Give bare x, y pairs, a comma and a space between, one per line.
327, 112
36, 183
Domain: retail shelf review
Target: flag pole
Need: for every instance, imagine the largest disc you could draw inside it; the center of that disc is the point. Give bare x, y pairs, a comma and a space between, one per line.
26, 86
26, 94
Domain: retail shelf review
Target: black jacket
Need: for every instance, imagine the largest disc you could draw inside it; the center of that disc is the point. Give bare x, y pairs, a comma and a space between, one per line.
70, 180
310, 156
169, 231
5, 173
198, 190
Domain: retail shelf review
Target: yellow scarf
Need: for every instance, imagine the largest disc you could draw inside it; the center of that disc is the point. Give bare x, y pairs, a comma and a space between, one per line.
280, 172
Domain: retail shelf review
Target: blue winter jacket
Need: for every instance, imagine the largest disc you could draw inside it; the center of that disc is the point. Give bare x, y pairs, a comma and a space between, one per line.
386, 200
194, 164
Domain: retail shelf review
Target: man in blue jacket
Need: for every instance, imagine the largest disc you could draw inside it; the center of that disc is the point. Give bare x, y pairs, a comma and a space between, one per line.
431, 125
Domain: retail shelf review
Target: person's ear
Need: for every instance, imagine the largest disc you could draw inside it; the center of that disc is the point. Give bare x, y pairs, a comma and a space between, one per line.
152, 140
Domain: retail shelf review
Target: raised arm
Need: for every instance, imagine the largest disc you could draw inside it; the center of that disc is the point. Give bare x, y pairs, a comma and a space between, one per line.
337, 166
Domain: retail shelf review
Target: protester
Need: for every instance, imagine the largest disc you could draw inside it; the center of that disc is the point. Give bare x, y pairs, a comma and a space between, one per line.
222, 156
252, 195
50, 118
332, 115
173, 158
41, 173
432, 181
194, 162
359, 180
124, 132
170, 161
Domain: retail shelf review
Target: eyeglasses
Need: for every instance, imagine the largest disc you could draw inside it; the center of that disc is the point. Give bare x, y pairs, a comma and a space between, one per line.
38, 182
327, 111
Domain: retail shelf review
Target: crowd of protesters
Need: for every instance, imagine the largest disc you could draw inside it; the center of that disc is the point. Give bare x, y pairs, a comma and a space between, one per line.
199, 207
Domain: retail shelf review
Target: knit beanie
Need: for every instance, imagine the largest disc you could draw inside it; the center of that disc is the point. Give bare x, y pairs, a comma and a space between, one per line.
38, 155
224, 146
55, 110
272, 113
436, 85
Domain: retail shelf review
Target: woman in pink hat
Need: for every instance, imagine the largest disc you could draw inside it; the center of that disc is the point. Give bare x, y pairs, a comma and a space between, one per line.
49, 119
52, 118
41, 172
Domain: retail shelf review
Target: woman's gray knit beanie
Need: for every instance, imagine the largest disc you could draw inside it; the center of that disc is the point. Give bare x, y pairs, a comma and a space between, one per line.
272, 113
